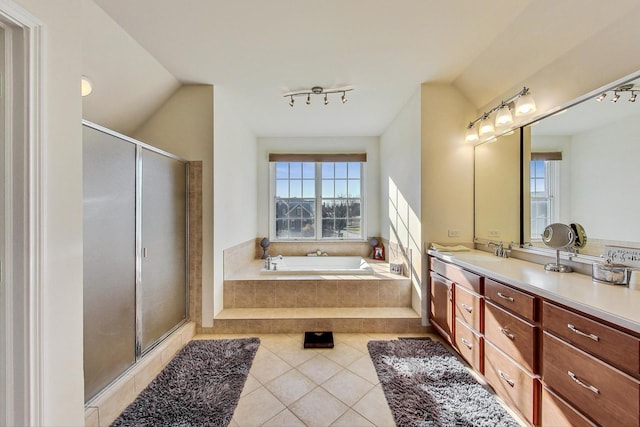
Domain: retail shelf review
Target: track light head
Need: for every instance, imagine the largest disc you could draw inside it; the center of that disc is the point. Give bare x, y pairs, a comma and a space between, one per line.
602, 96
291, 102
344, 97
326, 99
615, 97
633, 96
308, 98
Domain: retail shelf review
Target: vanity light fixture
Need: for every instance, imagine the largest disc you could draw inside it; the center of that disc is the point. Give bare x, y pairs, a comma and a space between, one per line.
318, 90
521, 103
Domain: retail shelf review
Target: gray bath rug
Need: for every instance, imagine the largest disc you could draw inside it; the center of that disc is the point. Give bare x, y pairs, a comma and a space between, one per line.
201, 386
426, 385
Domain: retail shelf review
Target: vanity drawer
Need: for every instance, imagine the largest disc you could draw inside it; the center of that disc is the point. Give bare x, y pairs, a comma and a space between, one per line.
456, 274
470, 345
519, 302
512, 335
519, 389
616, 347
557, 412
468, 307
600, 391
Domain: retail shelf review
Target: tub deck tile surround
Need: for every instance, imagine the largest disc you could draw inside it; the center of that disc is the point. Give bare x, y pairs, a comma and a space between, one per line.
258, 303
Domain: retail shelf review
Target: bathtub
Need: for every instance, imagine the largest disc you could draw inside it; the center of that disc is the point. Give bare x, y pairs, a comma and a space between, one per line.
314, 265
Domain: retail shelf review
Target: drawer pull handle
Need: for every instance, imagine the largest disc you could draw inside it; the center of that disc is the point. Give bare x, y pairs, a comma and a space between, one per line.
507, 333
506, 379
503, 296
466, 307
575, 378
466, 343
579, 332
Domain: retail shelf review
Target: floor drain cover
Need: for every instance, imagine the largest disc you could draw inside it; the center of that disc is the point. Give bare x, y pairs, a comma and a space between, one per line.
318, 340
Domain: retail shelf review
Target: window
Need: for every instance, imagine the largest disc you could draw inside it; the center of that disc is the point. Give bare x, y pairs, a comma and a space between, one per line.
544, 188
316, 200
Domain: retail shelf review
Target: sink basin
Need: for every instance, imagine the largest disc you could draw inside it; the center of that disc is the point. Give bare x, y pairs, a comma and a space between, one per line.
475, 257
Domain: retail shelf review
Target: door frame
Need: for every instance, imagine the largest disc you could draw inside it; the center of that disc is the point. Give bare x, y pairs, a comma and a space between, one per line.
23, 266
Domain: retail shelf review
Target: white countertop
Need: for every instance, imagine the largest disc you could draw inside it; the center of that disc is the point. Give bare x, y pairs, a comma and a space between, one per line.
616, 304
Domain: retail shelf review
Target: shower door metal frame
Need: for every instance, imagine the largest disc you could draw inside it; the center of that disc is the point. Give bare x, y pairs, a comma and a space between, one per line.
140, 146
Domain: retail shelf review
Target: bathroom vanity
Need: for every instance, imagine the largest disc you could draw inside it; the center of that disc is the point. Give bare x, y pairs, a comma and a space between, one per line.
558, 348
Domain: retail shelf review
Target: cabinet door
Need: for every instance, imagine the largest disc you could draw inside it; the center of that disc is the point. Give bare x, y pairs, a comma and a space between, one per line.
163, 282
441, 305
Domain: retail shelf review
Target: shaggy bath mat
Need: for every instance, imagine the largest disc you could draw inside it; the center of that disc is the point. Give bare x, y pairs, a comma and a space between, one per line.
201, 386
426, 385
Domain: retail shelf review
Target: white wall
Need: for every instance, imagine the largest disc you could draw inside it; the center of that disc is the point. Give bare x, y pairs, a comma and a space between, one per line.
184, 126
400, 187
605, 164
61, 357
367, 144
235, 190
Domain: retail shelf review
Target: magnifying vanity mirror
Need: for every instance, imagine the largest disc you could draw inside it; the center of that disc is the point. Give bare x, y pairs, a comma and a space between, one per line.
578, 166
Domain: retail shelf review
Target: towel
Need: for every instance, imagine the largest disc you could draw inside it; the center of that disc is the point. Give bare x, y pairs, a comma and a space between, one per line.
456, 248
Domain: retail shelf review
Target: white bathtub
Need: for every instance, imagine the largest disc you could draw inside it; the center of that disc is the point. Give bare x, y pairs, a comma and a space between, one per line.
314, 265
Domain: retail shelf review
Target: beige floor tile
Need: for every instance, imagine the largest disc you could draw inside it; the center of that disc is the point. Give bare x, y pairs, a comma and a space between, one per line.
318, 408
290, 386
344, 355
250, 385
296, 356
352, 419
256, 408
348, 387
374, 407
267, 366
285, 418
319, 369
364, 368
280, 342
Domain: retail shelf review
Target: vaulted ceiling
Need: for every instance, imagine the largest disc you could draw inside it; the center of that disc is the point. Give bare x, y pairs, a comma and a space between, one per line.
254, 51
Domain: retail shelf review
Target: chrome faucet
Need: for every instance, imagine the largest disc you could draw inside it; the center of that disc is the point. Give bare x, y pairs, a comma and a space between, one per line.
499, 250
267, 263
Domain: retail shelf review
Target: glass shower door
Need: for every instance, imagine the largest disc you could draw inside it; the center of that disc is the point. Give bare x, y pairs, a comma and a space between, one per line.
163, 288
109, 185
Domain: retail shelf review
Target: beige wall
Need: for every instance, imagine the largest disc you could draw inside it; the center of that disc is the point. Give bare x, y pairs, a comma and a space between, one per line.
184, 126
447, 165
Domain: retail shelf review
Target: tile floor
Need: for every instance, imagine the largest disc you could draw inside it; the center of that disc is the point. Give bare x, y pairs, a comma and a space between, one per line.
292, 386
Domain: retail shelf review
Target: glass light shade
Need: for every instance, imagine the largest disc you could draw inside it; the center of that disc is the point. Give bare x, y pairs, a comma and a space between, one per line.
471, 135
486, 128
504, 117
86, 86
525, 105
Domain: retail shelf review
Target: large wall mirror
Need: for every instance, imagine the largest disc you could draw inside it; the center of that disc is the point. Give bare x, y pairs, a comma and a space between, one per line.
497, 189
584, 167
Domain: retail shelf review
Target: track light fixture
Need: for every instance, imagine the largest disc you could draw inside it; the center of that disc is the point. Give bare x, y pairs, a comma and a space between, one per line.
318, 90
619, 91
521, 103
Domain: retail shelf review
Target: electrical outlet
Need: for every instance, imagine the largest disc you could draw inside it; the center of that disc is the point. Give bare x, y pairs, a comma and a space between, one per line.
494, 233
453, 233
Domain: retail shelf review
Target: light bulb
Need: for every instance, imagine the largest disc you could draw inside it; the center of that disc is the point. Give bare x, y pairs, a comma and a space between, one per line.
471, 135
525, 105
504, 117
486, 128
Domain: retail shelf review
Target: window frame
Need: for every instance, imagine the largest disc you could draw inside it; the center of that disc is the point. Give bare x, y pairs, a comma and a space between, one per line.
318, 161
552, 190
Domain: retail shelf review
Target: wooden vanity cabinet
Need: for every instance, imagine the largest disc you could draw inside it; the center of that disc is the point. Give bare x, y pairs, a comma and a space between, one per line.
441, 305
